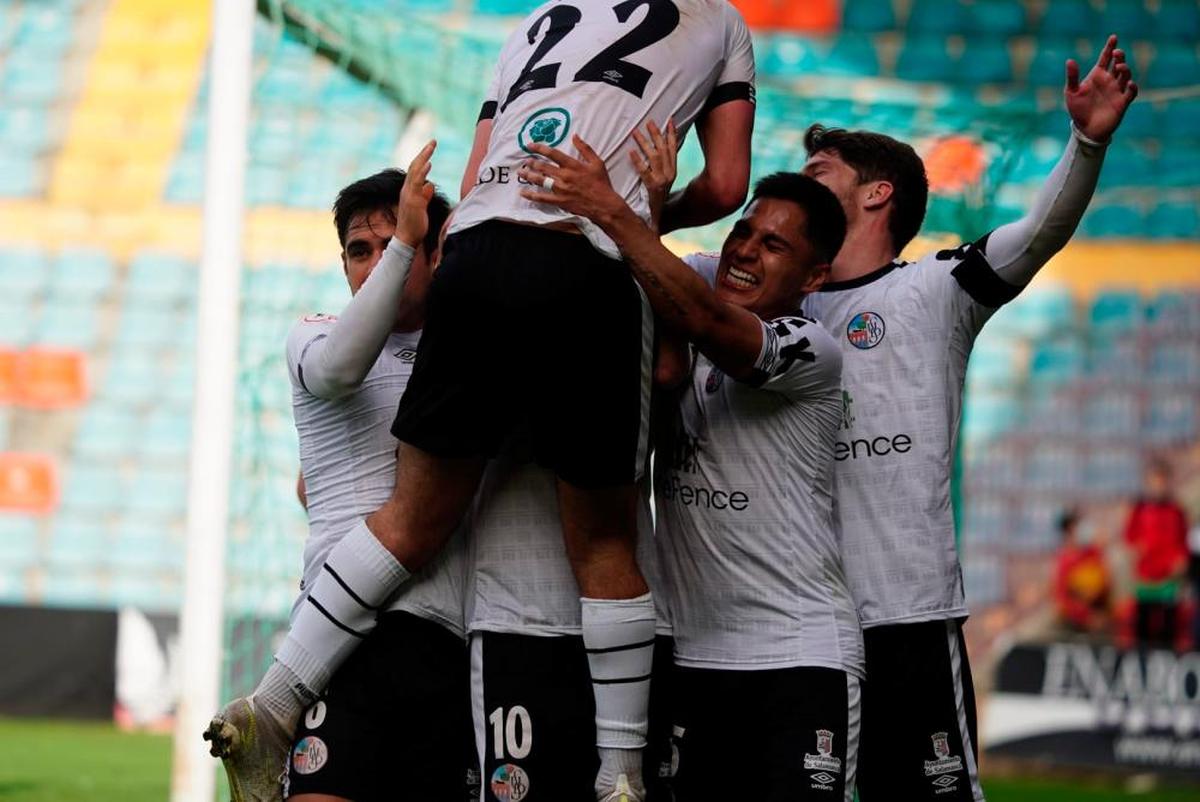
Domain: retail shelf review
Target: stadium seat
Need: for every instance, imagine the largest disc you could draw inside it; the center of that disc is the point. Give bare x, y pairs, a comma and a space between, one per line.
93, 488
1174, 220
925, 58
18, 541
984, 60
1177, 19
81, 274
25, 128
1042, 311
852, 55
1171, 418
1141, 122
790, 56
1178, 167
24, 273
154, 592
1174, 312
506, 7
1051, 411
1037, 526
1114, 220
933, 17
1115, 312
1175, 361
49, 379
1034, 162
1053, 467
1113, 472
157, 278
984, 579
78, 543
20, 176
1068, 18
1056, 362
987, 415
1046, 68
166, 436
73, 587
150, 327
997, 18
1112, 414
1174, 64
868, 16
145, 546
986, 518
68, 324
1115, 357
1129, 18
157, 492
993, 363
131, 379
1180, 119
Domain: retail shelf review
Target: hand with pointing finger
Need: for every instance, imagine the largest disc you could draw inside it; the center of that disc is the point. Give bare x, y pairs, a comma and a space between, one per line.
412, 213
1098, 104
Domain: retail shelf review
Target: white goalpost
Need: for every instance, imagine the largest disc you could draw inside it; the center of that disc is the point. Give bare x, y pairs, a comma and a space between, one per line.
193, 773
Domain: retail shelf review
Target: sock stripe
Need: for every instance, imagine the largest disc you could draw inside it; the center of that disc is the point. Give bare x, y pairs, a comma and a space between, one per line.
625, 648
348, 589
621, 680
333, 620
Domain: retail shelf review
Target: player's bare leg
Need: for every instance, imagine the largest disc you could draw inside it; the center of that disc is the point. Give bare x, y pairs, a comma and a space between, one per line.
599, 528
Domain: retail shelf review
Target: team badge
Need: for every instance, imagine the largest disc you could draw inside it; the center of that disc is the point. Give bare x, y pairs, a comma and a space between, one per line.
547, 127
944, 763
823, 760
715, 379
865, 331
510, 783
310, 755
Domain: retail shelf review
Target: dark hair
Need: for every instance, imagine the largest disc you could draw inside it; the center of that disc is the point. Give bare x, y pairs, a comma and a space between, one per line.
878, 157
1067, 520
826, 227
380, 192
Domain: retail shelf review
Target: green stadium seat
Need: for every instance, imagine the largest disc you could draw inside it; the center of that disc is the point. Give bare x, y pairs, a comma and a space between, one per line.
788, 56
1047, 69
1128, 18
1141, 122
17, 330
132, 379
931, 17
1069, 18
1035, 162
992, 364
1114, 220
150, 327
148, 592
1125, 167
986, 519
852, 55
1174, 220
1177, 19
925, 58
997, 18
81, 274
1115, 312
145, 546
186, 184
1180, 119
40, 85
1178, 167
18, 541
868, 16
1174, 64
985, 60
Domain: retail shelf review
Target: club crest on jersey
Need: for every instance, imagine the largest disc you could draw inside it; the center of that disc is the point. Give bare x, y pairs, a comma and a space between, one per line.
310, 755
547, 127
945, 762
824, 760
865, 330
510, 783
715, 379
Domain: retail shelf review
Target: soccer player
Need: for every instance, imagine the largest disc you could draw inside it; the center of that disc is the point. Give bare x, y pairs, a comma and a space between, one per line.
540, 287
768, 648
906, 331
347, 373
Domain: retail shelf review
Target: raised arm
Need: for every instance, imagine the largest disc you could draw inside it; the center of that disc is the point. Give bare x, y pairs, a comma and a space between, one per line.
721, 186
728, 335
335, 362
1096, 106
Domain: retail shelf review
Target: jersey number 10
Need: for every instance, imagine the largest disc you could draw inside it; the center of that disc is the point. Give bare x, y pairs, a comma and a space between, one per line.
514, 732
609, 65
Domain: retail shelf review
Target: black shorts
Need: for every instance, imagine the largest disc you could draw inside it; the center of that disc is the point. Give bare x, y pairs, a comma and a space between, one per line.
768, 736
535, 720
533, 332
394, 721
919, 730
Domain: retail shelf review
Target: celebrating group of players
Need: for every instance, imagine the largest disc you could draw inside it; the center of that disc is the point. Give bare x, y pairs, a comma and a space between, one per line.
489, 606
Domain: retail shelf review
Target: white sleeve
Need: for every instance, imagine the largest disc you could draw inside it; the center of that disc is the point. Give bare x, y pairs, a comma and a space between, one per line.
1014, 253
737, 76
798, 359
334, 362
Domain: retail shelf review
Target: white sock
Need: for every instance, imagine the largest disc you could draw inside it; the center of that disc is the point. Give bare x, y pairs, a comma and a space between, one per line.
619, 638
358, 577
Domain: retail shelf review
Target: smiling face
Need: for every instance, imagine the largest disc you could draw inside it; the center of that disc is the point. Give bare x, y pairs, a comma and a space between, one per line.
767, 263
367, 238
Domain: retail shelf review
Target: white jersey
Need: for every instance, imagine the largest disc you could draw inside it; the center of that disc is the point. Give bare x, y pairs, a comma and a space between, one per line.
518, 578
747, 540
906, 331
601, 70
348, 460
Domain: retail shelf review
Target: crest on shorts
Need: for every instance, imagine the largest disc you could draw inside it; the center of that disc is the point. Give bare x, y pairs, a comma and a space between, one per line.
547, 127
823, 760
310, 755
510, 783
865, 330
715, 379
945, 763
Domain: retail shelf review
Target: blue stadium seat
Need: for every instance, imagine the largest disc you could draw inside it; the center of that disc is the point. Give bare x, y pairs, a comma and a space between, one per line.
18, 541
146, 546
81, 274
1177, 19
1034, 163
67, 323
1115, 312
267, 185
1113, 414
1056, 362
24, 272
993, 363
25, 128
1174, 220
1128, 18
1171, 418
1175, 64
150, 327
1175, 361
186, 184
42, 85
1115, 358
1046, 68
71, 587
868, 16
985, 60
1051, 411
166, 436
93, 488
1141, 122
984, 579
998, 18
1037, 527
925, 58
1175, 312
1053, 467
1069, 18
20, 176
158, 278
78, 542
852, 55
157, 492
987, 518
132, 379
1042, 311
16, 330
931, 17
986, 415
789, 56
153, 592
1112, 471
1178, 167
1181, 119
1114, 220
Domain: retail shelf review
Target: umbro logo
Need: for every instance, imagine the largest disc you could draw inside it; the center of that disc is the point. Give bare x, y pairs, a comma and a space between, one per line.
823, 778
945, 781
406, 354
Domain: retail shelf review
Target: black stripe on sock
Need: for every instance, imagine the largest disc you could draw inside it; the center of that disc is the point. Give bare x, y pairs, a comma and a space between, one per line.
336, 623
621, 680
349, 590
627, 647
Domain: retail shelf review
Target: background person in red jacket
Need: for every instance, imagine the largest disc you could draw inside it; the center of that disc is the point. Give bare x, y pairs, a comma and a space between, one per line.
1157, 534
1082, 580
